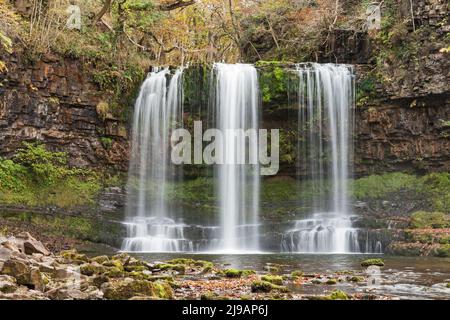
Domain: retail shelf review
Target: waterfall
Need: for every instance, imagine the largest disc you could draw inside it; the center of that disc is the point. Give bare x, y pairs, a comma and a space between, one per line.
150, 223
325, 120
236, 99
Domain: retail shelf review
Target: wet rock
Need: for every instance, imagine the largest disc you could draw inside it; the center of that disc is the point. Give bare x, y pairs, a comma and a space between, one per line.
127, 288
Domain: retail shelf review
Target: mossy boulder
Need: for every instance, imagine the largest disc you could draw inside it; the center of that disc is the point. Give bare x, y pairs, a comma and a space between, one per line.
17, 269
372, 262
114, 263
127, 288
115, 272
356, 279
278, 280
204, 266
339, 295
180, 268
212, 296
74, 256
264, 286
235, 273
331, 281
100, 259
423, 219
93, 268
232, 273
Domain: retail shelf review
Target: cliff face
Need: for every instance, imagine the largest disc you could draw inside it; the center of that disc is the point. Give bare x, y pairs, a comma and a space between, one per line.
53, 101
403, 135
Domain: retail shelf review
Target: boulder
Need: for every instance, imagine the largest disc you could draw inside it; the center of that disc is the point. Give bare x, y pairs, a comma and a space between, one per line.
128, 288
37, 280
8, 284
17, 269
32, 246
90, 293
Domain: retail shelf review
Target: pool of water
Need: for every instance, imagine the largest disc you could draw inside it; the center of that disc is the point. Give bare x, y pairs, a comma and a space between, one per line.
402, 277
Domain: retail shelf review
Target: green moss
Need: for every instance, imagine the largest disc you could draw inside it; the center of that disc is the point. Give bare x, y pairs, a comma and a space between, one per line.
432, 187
37, 177
443, 251
115, 272
339, 295
124, 289
372, 262
175, 267
356, 279
278, 280
422, 219
232, 273
212, 296
264, 286
331, 281
106, 142
162, 290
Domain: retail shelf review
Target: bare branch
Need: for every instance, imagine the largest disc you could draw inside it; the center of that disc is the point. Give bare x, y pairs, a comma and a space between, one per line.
176, 5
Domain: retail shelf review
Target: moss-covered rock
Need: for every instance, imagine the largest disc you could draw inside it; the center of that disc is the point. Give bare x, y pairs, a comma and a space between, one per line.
127, 288
90, 269
331, 281
339, 295
372, 262
356, 279
232, 273
212, 296
235, 273
278, 280
264, 286
74, 256
100, 259
114, 263
180, 268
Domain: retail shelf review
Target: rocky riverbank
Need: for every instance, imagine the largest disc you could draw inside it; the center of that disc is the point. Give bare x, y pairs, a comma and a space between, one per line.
30, 271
